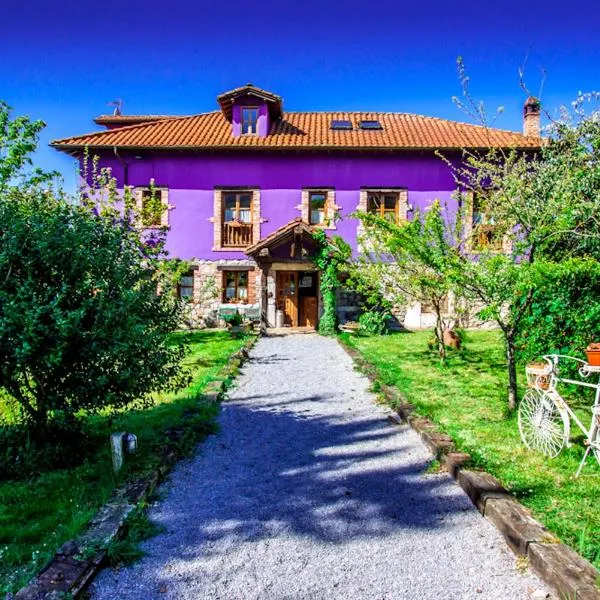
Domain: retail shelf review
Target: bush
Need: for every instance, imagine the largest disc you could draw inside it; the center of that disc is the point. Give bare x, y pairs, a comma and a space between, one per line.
374, 322
82, 327
235, 319
564, 315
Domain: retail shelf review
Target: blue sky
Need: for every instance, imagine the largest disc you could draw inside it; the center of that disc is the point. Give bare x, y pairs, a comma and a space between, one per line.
64, 61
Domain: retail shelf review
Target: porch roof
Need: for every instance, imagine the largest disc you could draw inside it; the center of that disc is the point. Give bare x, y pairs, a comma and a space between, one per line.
294, 231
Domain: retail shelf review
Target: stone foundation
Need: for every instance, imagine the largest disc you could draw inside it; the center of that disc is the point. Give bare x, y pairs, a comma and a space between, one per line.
202, 311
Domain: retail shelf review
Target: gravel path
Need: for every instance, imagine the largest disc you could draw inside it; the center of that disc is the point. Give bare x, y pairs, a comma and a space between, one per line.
307, 492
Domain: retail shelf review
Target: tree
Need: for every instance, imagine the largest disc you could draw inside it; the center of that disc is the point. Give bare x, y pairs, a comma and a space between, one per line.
543, 209
18, 139
411, 261
83, 326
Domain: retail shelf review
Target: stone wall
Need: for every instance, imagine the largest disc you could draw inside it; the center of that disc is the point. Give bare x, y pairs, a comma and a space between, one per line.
202, 310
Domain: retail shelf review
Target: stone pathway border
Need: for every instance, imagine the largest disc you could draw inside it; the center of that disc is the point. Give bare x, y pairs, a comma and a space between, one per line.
69, 572
571, 575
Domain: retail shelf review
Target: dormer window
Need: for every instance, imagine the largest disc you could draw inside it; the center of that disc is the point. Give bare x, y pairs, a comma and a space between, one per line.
249, 120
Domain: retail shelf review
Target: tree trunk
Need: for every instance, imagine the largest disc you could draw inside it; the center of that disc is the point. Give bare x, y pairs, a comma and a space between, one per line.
439, 332
512, 372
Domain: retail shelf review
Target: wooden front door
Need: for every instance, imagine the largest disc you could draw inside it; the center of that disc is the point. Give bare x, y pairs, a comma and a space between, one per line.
308, 311
287, 296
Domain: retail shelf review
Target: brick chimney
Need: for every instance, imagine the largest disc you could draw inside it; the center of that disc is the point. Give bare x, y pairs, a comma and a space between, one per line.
531, 117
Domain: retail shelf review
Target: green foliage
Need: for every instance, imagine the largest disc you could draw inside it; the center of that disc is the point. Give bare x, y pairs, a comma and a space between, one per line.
234, 319
18, 139
126, 551
40, 512
373, 322
81, 324
411, 261
82, 327
465, 397
329, 258
564, 313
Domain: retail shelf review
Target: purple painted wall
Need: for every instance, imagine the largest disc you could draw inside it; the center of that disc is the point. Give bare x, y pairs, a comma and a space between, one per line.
191, 180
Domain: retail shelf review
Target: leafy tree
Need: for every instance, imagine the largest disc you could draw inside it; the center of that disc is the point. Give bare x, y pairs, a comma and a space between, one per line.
18, 139
411, 261
85, 302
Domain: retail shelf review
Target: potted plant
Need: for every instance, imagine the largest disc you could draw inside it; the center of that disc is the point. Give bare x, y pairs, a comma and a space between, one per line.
538, 374
593, 354
234, 322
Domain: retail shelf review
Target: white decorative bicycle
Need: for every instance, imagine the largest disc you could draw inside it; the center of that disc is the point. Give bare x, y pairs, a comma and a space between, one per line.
544, 415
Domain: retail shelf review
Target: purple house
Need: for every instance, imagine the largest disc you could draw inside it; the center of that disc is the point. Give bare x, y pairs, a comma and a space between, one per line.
244, 186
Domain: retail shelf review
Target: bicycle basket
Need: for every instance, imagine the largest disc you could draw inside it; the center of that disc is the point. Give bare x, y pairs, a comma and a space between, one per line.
538, 375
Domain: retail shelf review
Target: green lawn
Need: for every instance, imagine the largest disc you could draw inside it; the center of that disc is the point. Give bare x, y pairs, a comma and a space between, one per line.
38, 515
467, 398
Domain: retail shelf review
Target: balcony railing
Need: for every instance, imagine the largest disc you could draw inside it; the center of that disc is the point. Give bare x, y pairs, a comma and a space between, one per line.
237, 234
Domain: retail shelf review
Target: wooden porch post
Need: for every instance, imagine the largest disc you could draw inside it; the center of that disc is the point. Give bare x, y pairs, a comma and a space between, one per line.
264, 318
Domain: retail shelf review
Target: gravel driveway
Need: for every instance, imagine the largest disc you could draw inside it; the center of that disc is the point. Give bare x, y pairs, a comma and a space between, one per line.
308, 492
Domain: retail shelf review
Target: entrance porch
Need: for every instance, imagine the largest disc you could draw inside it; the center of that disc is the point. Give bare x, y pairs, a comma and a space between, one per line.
290, 296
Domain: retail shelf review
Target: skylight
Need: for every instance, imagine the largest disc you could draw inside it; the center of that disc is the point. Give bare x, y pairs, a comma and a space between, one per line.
341, 124
370, 124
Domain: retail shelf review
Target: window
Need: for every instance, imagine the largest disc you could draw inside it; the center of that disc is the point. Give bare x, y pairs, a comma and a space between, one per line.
370, 124
235, 286
249, 120
185, 289
341, 124
384, 204
317, 207
238, 206
237, 219
152, 207
484, 232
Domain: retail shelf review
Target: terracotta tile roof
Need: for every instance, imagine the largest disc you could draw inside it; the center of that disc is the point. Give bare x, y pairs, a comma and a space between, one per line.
279, 236
301, 130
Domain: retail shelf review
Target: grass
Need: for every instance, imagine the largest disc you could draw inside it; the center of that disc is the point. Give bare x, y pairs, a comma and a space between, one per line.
39, 514
467, 399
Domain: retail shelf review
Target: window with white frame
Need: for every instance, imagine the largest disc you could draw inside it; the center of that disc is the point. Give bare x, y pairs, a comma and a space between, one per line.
249, 120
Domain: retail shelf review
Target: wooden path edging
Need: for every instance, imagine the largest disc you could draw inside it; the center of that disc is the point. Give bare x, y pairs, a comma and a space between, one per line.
78, 561
557, 565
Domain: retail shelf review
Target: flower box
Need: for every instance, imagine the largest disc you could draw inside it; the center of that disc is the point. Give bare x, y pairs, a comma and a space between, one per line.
538, 375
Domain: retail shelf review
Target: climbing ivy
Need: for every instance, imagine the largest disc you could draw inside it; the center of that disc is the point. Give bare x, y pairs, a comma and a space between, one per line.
328, 258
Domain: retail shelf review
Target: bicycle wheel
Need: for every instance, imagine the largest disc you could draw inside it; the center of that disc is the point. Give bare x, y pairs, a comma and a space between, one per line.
543, 425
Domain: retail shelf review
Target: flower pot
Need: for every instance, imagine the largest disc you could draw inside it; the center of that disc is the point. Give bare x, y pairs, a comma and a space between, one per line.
538, 375
593, 355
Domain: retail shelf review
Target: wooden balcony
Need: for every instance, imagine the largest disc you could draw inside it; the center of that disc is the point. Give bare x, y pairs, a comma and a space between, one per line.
236, 234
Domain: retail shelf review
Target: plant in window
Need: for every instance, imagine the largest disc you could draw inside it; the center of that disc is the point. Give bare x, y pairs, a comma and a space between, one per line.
152, 207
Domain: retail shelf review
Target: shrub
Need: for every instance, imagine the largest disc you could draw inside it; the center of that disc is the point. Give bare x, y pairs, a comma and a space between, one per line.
234, 319
82, 327
564, 315
374, 322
